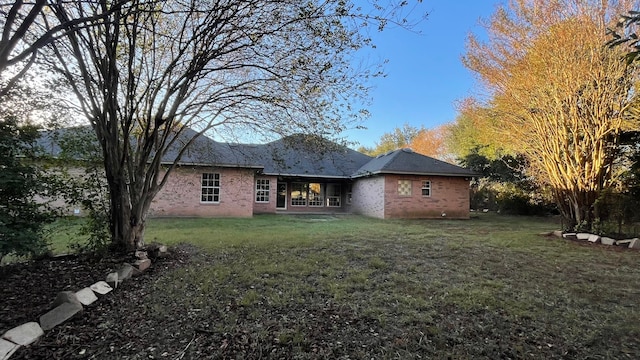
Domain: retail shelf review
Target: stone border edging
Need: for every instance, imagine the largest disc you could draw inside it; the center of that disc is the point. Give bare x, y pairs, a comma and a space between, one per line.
596, 239
68, 304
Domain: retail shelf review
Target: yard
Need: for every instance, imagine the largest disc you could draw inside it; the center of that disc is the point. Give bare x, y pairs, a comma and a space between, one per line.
315, 287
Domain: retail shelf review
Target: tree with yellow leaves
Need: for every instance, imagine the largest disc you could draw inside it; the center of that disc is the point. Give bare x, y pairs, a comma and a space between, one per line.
431, 142
557, 94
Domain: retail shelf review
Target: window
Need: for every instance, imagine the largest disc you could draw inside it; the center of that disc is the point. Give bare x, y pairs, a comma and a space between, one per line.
299, 194
210, 188
426, 188
404, 187
334, 194
262, 190
316, 194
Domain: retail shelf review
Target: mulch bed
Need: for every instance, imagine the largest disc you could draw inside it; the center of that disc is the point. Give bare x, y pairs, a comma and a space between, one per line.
28, 289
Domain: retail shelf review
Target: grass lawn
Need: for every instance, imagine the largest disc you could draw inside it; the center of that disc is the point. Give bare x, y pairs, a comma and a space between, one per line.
354, 287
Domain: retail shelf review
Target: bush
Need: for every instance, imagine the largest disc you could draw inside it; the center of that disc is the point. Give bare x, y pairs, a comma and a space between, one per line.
22, 219
616, 213
507, 198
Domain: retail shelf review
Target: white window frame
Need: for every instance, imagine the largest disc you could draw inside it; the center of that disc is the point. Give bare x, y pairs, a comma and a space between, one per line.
426, 186
315, 200
263, 190
210, 188
300, 200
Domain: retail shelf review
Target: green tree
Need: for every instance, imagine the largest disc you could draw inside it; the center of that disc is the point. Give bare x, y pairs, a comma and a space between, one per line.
472, 133
396, 139
504, 186
152, 70
21, 218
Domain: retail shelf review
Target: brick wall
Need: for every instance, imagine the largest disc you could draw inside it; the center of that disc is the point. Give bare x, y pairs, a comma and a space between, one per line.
449, 196
368, 197
181, 194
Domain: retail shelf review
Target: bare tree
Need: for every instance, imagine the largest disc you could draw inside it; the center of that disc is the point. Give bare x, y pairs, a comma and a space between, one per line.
154, 70
23, 35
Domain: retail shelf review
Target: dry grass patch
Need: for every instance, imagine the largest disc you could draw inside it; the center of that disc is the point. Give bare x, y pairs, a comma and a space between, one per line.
354, 287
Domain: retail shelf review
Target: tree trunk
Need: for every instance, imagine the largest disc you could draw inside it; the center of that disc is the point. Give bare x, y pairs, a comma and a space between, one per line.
576, 207
127, 222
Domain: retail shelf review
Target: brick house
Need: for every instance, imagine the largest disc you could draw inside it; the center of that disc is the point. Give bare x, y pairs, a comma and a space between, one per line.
306, 174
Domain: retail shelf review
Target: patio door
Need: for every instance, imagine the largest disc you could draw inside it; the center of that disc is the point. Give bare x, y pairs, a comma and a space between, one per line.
281, 201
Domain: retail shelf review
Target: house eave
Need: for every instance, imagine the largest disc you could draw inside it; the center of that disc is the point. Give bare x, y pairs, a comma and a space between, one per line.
411, 173
307, 175
236, 166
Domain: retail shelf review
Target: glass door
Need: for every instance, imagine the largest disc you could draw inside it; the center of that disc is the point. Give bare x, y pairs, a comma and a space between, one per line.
281, 201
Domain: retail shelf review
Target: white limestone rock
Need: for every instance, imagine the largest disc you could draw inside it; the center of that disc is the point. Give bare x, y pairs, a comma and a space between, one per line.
142, 264
101, 288
86, 296
583, 236
7, 348
65, 297
607, 241
593, 238
59, 315
24, 334
112, 280
629, 243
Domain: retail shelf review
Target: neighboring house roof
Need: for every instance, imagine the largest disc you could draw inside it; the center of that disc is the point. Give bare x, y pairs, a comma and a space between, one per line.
405, 161
296, 155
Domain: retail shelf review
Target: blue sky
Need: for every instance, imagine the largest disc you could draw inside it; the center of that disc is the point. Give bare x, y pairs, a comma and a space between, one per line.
425, 75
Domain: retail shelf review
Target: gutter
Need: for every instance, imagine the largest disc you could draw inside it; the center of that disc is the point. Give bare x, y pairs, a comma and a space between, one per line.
213, 165
309, 176
413, 173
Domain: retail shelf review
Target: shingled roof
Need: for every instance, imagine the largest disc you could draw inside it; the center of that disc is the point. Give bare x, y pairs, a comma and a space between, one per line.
309, 156
405, 161
296, 155
204, 151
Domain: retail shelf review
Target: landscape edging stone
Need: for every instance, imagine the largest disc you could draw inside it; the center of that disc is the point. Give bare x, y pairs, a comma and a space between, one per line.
66, 306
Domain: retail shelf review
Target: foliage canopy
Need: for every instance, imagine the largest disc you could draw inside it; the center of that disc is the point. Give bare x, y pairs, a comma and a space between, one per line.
557, 94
